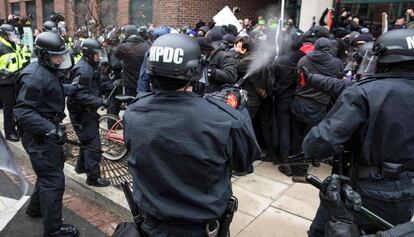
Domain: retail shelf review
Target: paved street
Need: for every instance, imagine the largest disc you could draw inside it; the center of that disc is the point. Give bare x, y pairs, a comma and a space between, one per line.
270, 204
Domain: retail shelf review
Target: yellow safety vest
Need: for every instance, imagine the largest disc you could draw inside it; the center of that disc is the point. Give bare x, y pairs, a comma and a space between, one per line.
14, 60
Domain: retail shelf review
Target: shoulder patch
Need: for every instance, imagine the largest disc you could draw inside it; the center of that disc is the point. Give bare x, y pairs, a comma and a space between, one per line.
233, 112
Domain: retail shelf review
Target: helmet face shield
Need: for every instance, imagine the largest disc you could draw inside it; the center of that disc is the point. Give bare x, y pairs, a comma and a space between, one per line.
369, 63
12, 37
64, 61
103, 56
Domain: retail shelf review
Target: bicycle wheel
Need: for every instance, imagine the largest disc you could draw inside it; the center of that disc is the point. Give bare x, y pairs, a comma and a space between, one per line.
111, 131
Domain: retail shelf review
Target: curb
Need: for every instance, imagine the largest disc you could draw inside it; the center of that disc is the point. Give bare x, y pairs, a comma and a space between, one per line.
110, 197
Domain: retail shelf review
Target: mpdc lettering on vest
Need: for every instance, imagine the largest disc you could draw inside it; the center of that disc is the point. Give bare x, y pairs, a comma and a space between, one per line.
410, 42
166, 54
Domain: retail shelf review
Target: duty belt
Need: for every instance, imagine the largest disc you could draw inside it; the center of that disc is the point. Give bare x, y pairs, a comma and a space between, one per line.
213, 228
387, 171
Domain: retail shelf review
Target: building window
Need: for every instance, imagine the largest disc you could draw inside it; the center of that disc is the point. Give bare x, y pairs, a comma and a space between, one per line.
108, 12
15, 8
48, 9
140, 12
31, 12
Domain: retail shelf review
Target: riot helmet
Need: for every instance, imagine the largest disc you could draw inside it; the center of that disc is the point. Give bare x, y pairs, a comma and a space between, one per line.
57, 17
8, 33
362, 50
127, 31
51, 50
134, 39
175, 56
93, 52
159, 31
143, 32
396, 46
49, 26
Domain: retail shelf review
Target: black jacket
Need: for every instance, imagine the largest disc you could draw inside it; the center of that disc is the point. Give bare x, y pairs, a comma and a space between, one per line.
182, 150
223, 68
40, 104
322, 63
90, 86
132, 55
377, 113
285, 74
329, 85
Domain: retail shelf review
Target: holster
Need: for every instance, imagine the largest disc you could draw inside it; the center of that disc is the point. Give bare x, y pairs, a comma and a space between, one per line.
226, 219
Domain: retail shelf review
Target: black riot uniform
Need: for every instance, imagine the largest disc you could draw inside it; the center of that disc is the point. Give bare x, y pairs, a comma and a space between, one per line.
183, 146
40, 108
374, 118
83, 114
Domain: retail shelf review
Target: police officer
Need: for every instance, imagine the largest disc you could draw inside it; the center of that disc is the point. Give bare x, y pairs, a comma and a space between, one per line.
11, 61
39, 110
374, 118
83, 110
183, 146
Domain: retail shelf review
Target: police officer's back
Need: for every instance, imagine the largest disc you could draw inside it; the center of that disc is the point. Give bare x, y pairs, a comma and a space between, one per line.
39, 110
374, 117
183, 146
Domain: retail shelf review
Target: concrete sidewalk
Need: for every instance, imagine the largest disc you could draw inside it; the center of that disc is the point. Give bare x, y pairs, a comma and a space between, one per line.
270, 204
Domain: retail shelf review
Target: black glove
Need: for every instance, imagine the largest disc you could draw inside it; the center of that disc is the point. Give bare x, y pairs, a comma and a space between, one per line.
105, 102
58, 135
211, 73
332, 199
4, 73
117, 82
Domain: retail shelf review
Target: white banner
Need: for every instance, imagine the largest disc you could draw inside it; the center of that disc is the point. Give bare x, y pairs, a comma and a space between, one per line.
226, 17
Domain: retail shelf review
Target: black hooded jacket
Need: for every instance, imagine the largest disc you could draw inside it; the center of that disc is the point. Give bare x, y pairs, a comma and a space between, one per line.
285, 73
132, 56
321, 61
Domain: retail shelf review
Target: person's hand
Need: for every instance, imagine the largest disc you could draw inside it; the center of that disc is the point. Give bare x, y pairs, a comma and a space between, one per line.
4, 72
331, 199
58, 135
211, 73
117, 82
410, 12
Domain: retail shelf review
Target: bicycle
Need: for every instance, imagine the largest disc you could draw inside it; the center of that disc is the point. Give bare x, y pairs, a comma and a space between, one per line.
111, 131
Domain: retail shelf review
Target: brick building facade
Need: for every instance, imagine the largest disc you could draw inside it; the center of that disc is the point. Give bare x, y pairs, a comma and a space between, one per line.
169, 12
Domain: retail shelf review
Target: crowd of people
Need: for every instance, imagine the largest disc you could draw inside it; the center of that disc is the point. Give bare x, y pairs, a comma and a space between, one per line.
180, 126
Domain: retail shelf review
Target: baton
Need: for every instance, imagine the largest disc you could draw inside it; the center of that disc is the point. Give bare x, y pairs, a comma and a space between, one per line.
78, 144
317, 183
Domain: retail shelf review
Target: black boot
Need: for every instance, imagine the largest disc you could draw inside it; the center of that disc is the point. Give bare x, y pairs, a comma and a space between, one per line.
13, 138
300, 170
67, 230
99, 182
286, 170
33, 213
